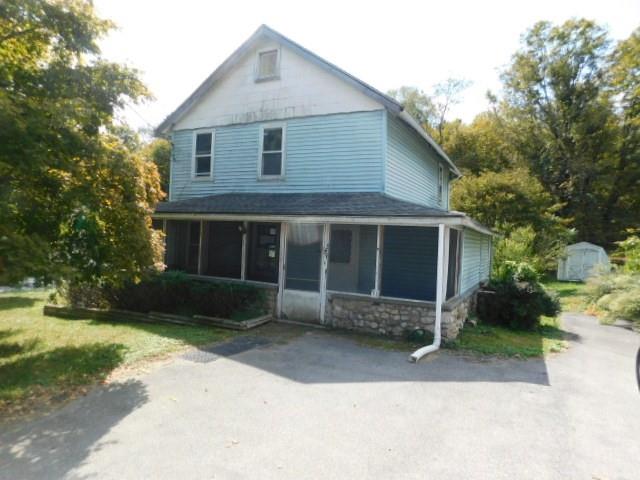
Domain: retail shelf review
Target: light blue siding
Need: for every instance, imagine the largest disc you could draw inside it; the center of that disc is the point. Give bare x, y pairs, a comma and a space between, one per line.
412, 167
331, 153
476, 259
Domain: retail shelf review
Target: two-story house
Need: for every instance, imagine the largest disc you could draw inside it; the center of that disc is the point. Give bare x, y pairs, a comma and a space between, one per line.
291, 174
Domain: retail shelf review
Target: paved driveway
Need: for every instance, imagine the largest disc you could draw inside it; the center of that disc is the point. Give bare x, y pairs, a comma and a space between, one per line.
319, 405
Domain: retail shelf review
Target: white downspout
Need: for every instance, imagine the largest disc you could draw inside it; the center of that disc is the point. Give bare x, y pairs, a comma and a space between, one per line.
421, 352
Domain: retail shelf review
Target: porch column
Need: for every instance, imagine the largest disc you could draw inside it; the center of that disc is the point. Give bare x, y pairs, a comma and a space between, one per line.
378, 279
445, 277
281, 267
440, 276
324, 264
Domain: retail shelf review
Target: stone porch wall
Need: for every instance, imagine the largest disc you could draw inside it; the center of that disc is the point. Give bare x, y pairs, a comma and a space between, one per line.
396, 317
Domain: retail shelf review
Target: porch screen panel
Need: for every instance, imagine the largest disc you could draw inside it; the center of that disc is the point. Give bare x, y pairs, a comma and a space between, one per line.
454, 263
304, 244
223, 249
352, 258
409, 262
263, 252
182, 244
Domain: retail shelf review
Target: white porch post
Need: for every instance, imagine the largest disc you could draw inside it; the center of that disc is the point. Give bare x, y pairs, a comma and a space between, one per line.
378, 279
445, 274
282, 265
324, 263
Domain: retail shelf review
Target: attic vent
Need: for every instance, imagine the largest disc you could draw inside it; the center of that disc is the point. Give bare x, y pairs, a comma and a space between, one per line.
268, 65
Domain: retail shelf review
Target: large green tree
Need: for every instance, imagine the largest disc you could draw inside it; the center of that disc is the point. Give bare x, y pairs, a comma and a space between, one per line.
514, 201
479, 146
75, 199
560, 104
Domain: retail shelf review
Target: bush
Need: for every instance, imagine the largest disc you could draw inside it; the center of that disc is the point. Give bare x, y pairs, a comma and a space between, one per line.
616, 295
171, 292
515, 299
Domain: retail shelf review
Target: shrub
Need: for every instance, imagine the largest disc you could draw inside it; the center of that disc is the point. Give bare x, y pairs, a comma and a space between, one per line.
515, 299
616, 295
630, 249
171, 292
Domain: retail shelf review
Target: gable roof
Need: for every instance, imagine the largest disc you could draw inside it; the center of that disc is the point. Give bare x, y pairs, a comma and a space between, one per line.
263, 32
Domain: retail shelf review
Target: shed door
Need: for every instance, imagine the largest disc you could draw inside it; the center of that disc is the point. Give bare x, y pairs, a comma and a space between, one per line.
574, 265
590, 261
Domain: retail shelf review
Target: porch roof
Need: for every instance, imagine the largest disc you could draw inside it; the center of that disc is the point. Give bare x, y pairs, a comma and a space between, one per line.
364, 206
316, 204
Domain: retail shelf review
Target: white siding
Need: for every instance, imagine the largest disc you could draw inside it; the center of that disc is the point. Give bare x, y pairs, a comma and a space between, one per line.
304, 89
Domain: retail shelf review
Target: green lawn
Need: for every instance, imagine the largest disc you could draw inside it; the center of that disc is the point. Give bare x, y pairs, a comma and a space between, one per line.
45, 359
494, 340
572, 294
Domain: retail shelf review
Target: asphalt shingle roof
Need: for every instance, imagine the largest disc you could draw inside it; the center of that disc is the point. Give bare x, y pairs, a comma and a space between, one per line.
309, 204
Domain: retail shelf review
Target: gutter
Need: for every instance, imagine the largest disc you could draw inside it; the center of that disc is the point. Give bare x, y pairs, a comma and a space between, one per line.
437, 334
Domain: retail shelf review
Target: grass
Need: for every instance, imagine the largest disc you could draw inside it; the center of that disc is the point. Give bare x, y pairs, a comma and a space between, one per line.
572, 295
494, 340
47, 359
549, 338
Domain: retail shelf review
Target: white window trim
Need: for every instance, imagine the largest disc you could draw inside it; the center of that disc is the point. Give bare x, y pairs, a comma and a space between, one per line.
193, 157
268, 126
257, 76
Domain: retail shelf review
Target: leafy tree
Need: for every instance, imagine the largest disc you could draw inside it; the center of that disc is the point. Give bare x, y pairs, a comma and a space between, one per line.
447, 94
479, 146
159, 152
559, 106
75, 199
510, 200
417, 104
621, 205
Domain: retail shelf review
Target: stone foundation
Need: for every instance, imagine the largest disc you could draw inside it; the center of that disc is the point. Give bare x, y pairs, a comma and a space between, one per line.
396, 317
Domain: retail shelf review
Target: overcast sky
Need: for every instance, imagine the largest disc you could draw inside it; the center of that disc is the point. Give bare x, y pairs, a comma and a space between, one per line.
177, 44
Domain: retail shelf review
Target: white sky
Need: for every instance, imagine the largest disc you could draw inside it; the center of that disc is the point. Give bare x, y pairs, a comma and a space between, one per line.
176, 44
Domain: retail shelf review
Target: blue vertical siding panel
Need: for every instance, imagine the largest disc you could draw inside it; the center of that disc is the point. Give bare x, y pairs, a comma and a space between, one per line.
410, 257
411, 166
476, 259
331, 153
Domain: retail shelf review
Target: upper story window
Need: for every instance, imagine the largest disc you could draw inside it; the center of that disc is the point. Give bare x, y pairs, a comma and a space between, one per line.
272, 151
440, 184
203, 154
268, 65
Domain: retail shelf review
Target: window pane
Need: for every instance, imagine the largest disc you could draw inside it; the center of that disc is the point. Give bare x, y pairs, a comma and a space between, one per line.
352, 258
304, 245
272, 139
272, 163
203, 144
409, 262
268, 64
203, 166
263, 252
223, 247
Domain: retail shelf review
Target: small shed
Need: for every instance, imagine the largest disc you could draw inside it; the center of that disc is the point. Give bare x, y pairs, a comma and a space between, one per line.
580, 259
